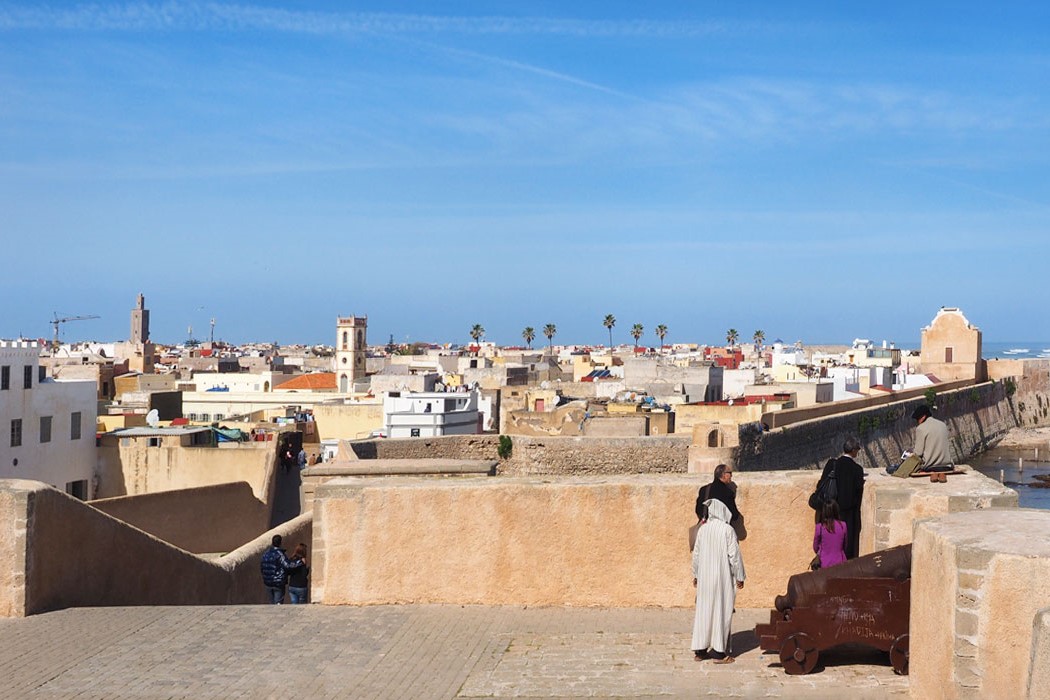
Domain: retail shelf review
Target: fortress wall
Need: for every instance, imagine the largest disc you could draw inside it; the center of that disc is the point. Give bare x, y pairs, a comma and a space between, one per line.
64, 553
78, 556
977, 416
983, 580
1031, 388
543, 455
215, 519
615, 541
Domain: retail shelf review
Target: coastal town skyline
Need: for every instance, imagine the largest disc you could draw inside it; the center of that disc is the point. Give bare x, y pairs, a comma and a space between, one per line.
809, 171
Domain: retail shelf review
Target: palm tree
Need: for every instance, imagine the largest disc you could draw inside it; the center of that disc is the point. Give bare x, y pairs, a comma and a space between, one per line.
636, 333
758, 337
550, 330
609, 322
731, 336
477, 332
529, 334
661, 333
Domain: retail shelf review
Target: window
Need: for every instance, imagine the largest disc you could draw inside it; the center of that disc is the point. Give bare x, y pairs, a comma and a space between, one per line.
414, 432
77, 489
154, 442
16, 432
219, 416
74, 425
5, 377
27, 377
45, 428
41, 374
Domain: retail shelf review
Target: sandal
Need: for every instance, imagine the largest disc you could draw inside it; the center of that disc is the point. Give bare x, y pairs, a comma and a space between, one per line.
726, 660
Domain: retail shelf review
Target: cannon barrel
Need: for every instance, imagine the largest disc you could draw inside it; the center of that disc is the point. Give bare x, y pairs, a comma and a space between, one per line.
894, 563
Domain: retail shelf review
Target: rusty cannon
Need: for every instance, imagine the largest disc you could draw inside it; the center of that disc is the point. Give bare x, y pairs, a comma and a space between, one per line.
865, 600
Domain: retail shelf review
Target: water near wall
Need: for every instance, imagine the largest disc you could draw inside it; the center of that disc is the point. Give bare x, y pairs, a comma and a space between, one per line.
1019, 468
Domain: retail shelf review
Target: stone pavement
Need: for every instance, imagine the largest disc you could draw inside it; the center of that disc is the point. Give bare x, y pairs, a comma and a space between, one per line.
410, 651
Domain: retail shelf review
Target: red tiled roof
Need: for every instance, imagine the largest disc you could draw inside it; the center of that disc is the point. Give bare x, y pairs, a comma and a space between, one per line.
319, 381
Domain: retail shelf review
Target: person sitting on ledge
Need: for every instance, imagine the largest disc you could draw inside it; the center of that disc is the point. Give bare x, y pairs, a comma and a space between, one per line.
931, 440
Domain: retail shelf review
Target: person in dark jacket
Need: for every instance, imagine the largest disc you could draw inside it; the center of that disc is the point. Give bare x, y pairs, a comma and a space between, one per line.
722, 488
274, 567
299, 578
849, 478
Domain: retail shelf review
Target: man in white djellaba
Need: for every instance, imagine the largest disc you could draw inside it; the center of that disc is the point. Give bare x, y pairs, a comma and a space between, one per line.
718, 572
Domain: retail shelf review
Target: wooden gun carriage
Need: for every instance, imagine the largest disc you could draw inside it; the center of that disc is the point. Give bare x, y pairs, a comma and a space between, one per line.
865, 600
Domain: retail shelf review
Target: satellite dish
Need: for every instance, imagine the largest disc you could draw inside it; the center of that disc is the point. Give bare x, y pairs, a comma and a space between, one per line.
152, 418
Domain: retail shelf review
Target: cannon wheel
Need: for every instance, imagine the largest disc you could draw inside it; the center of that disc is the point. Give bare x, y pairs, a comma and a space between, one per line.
899, 655
798, 654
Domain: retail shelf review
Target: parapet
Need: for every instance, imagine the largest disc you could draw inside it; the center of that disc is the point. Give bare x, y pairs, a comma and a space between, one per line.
979, 585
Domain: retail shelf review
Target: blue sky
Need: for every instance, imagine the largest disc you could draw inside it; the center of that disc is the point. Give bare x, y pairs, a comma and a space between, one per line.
815, 171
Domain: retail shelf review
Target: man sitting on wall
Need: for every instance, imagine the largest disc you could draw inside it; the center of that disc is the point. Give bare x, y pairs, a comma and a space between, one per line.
931, 440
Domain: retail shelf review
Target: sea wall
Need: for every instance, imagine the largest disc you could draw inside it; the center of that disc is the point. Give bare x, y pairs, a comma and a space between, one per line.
977, 417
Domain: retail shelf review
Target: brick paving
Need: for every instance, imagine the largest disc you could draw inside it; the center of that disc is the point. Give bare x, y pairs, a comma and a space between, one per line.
412, 651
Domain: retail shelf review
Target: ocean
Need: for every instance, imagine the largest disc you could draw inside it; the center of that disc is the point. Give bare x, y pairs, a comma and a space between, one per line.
1015, 349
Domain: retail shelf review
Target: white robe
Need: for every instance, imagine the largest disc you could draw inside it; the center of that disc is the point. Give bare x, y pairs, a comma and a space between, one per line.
717, 566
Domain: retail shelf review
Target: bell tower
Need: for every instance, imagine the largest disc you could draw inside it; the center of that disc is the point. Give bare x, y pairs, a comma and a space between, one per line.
351, 343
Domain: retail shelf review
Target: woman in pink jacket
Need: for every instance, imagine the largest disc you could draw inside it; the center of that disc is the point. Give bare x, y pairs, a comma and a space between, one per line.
829, 536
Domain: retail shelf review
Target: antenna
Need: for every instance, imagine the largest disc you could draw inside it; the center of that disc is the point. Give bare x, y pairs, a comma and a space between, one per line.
56, 321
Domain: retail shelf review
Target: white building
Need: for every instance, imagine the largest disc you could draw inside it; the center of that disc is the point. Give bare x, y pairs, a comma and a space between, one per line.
47, 426
432, 413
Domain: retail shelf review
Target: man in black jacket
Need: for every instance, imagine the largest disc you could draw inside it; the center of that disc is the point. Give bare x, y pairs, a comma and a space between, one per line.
849, 478
721, 489
274, 568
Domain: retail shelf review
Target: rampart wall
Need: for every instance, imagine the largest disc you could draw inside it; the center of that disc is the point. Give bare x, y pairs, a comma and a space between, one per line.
62, 552
584, 540
206, 519
544, 455
977, 416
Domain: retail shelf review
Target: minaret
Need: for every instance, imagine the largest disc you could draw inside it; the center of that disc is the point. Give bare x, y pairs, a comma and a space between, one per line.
350, 345
140, 322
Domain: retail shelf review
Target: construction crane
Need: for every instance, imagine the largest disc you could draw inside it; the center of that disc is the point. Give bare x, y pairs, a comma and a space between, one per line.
56, 321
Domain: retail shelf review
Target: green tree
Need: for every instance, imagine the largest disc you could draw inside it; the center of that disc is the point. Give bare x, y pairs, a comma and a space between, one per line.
661, 333
731, 337
550, 330
636, 332
529, 334
477, 332
609, 322
758, 337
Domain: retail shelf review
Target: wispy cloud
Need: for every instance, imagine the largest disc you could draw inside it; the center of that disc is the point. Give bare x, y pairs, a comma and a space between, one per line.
203, 16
